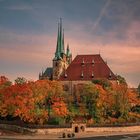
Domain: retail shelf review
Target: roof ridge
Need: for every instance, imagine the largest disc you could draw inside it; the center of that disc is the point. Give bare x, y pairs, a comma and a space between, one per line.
86, 54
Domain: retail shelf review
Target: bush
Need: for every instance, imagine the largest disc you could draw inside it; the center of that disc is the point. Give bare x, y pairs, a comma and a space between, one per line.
136, 109
53, 121
103, 82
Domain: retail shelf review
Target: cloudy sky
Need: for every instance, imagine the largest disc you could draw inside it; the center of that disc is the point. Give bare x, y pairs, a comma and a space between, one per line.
28, 32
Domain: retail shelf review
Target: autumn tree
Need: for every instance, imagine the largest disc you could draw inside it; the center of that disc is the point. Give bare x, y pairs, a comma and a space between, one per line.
20, 101
48, 95
55, 100
15, 101
87, 98
4, 82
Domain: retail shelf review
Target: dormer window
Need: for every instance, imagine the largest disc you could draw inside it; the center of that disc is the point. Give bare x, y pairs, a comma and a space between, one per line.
93, 62
110, 75
83, 62
82, 74
92, 75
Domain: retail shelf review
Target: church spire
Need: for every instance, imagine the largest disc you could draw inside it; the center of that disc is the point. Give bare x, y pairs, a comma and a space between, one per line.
68, 51
57, 53
60, 41
63, 46
61, 37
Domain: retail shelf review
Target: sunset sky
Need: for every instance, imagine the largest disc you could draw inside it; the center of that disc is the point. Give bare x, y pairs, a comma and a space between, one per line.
28, 33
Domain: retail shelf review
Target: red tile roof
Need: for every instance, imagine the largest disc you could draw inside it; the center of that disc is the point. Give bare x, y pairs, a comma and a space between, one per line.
87, 67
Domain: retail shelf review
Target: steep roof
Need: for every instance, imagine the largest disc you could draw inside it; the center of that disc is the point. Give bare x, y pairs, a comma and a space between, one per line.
87, 67
48, 72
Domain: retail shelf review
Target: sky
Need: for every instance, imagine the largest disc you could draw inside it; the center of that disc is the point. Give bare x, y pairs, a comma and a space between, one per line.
28, 33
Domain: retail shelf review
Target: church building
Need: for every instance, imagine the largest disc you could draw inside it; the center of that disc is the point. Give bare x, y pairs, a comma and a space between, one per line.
83, 69
61, 60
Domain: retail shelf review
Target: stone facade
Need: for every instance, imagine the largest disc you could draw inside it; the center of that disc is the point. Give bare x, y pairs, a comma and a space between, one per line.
70, 86
59, 67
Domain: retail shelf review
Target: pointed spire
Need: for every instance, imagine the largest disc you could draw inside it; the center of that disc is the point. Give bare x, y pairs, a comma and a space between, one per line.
68, 51
60, 35
63, 44
60, 41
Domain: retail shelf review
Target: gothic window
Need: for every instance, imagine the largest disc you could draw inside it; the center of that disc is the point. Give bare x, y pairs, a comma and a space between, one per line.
56, 64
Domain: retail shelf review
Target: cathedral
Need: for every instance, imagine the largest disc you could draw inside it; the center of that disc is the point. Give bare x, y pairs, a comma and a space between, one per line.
61, 60
83, 69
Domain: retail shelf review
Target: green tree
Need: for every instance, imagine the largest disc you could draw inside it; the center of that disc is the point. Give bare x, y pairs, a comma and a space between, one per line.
103, 82
20, 80
121, 80
89, 97
121, 106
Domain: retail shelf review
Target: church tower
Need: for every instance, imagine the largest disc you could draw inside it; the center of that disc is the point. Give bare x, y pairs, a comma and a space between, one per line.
61, 59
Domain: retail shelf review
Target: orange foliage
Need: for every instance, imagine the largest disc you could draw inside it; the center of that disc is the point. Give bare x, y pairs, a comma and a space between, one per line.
18, 100
59, 107
133, 99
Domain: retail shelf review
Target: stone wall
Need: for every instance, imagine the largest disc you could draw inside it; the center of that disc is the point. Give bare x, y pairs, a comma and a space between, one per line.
71, 84
114, 129
52, 130
82, 128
